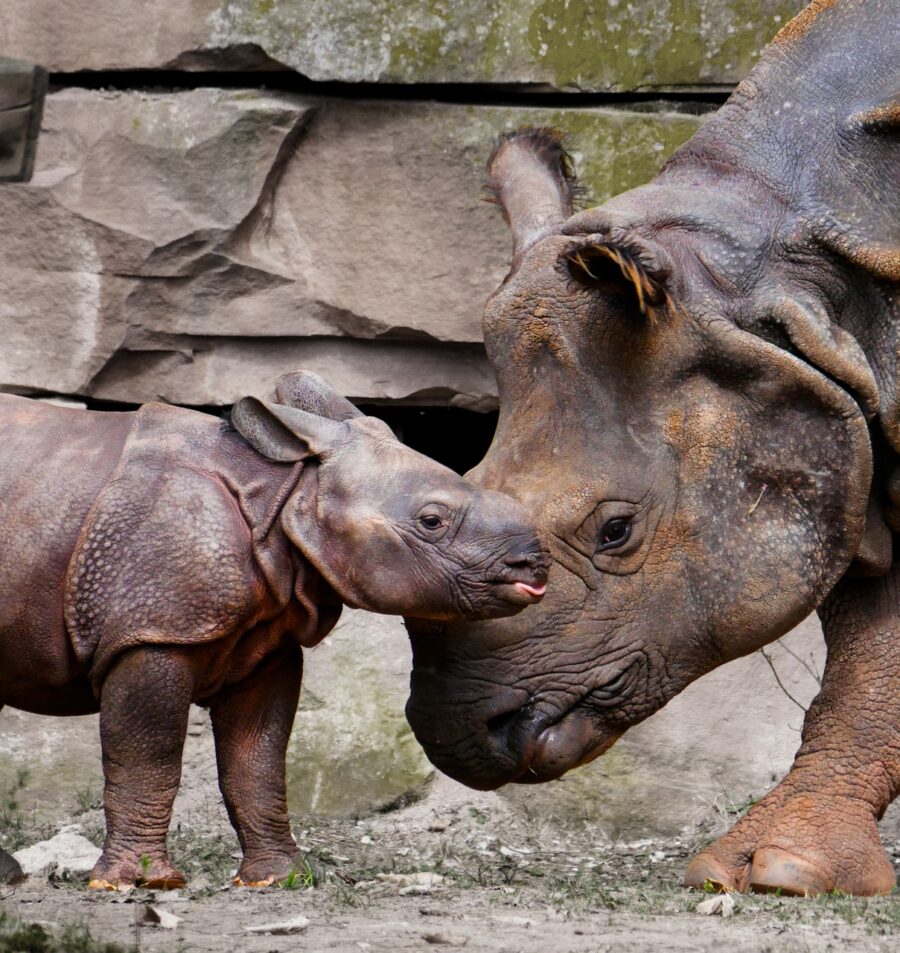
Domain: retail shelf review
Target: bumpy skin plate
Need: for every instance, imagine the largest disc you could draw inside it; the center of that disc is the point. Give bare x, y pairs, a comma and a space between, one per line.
23, 87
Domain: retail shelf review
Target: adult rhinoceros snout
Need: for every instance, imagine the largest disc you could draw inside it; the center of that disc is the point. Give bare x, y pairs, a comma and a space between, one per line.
504, 749
485, 753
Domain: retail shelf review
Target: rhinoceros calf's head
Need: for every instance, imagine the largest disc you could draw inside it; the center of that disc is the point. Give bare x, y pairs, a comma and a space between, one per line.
701, 488
391, 530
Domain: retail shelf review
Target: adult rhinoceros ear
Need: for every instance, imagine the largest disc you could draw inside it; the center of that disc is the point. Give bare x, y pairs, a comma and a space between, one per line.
307, 391
532, 179
285, 434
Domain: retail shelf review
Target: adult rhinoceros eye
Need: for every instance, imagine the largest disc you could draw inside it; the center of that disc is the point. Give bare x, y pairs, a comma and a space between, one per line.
615, 533
431, 522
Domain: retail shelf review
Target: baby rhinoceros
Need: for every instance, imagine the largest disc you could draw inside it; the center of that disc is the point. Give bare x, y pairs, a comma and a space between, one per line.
158, 558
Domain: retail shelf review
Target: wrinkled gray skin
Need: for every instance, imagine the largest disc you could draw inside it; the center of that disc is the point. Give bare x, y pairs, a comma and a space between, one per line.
154, 559
698, 381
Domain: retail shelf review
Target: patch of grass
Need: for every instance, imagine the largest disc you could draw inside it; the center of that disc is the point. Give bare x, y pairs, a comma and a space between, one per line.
879, 915
12, 820
304, 877
95, 831
20, 937
89, 799
584, 891
204, 854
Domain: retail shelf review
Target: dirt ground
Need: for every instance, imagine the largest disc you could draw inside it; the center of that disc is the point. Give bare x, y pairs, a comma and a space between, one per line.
453, 870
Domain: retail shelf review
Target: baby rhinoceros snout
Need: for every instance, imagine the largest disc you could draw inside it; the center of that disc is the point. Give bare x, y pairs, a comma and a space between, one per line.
529, 567
521, 573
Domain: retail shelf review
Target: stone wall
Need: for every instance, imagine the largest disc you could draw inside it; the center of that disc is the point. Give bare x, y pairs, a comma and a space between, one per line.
616, 45
192, 245
223, 192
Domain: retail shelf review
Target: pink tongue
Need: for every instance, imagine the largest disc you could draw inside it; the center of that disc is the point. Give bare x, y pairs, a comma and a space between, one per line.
535, 591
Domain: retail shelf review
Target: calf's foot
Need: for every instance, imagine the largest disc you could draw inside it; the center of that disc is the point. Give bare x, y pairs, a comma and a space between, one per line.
124, 871
264, 870
798, 846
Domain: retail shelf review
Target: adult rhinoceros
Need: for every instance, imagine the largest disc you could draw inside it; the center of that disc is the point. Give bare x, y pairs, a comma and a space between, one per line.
698, 387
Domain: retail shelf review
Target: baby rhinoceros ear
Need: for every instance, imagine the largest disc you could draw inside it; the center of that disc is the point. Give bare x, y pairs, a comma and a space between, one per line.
285, 434
307, 391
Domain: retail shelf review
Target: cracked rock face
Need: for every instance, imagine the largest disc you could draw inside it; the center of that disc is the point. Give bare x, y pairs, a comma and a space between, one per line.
584, 44
191, 246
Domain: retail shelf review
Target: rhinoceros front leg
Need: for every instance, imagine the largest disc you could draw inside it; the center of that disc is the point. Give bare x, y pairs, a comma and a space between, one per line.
143, 722
817, 830
252, 725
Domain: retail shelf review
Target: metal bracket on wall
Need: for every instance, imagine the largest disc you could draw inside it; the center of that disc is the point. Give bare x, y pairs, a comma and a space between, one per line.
23, 87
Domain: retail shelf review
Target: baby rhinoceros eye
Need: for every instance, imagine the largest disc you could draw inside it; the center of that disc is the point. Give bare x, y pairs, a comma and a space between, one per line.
615, 533
432, 521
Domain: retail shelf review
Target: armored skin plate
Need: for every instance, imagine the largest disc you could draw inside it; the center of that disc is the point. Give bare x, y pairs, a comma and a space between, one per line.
22, 90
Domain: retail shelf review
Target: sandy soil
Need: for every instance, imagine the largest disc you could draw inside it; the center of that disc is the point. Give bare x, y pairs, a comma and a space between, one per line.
505, 882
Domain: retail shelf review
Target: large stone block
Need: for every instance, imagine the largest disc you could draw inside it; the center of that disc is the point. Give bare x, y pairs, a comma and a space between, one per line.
193, 245
583, 44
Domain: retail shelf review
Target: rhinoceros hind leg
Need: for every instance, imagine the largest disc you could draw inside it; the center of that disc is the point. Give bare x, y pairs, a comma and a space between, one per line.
10, 871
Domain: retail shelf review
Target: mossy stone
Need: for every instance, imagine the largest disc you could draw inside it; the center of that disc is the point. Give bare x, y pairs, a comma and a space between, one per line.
352, 752
602, 45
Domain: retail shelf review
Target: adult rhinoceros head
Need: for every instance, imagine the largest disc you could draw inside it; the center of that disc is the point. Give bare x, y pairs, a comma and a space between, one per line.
689, 439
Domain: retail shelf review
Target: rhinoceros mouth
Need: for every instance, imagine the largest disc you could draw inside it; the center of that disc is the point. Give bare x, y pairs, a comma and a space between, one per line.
576, 739
580, 733
519, 593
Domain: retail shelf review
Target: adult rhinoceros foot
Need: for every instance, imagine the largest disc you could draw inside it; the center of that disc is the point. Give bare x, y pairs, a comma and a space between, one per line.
798, 846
